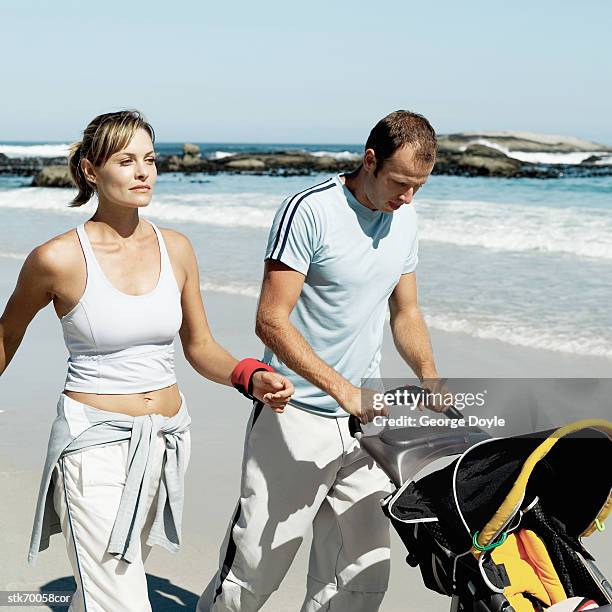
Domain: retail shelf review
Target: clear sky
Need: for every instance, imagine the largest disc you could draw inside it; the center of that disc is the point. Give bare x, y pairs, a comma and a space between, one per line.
316, 71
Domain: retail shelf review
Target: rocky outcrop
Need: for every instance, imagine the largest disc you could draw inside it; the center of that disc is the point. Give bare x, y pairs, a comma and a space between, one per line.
591, 159
519, 141
190, 161
247, 164
462, 154
27, 166
184, 163
468, 163
477, 160
53, 176
191, 155
191, 150
283, 163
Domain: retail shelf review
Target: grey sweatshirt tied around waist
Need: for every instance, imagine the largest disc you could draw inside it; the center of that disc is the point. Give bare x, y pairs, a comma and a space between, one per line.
79, 427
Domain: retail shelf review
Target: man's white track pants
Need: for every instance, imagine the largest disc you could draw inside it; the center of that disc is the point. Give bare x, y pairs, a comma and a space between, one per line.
301, 470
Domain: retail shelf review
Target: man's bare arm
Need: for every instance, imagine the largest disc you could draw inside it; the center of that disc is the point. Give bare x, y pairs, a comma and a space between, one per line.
280, 291
409, 329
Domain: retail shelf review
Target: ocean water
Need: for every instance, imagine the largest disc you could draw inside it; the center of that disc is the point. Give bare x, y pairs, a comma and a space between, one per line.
523, 261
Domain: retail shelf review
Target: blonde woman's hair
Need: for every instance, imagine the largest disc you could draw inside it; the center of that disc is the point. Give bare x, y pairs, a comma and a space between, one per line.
104, 136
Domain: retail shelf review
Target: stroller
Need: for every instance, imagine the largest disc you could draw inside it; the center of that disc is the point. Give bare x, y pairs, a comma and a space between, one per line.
499, 529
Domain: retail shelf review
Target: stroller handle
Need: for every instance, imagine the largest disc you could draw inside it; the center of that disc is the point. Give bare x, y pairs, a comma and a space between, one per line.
414, 391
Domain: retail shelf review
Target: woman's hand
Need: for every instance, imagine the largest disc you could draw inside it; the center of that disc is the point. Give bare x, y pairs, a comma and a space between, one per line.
272, 389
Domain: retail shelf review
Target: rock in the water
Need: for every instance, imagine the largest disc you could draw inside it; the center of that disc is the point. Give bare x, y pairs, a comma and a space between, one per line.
173, 163
327, 163
192, 150
28, 166
477, 160
487, 165
284, 163
186, 163
248, 163
480, 150
191, 160
53, 176
520, 141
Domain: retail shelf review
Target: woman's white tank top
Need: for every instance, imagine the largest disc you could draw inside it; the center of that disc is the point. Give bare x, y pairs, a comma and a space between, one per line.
121, 343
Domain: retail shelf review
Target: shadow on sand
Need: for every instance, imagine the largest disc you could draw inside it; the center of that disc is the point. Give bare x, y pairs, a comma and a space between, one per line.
163, 595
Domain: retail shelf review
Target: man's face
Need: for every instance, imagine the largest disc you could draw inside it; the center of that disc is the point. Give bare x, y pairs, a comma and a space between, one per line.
395, 184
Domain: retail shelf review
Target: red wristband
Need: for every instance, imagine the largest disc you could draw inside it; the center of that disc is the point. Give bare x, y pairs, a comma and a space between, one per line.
242, 375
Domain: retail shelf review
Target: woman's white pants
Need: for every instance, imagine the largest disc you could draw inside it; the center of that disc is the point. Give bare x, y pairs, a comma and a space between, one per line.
88, 488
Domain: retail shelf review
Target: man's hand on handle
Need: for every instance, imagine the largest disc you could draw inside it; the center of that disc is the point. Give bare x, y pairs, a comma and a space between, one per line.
360, 403
439, 396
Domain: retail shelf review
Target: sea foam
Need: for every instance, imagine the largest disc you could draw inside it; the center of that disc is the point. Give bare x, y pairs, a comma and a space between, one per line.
35, 150
528, 336
583, 232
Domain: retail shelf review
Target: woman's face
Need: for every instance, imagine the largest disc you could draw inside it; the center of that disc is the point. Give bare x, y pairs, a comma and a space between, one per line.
127, 178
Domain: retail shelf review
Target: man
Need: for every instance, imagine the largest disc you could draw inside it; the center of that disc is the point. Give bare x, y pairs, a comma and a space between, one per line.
337, 254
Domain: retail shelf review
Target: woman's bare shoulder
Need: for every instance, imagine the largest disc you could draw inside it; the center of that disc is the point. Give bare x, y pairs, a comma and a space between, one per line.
178, 244
58, 255
174, 236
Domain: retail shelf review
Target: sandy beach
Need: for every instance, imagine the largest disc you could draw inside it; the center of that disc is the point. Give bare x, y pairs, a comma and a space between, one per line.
33, 381
247, 127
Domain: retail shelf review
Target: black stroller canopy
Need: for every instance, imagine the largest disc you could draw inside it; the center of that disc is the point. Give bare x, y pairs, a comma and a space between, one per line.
567, 469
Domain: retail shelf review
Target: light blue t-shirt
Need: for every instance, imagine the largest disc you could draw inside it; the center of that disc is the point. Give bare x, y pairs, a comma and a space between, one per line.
352, 258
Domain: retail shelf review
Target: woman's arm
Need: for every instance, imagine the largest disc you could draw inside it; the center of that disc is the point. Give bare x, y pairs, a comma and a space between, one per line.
34, 290
200, 348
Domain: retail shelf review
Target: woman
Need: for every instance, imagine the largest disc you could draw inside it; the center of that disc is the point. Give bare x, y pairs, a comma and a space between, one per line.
122, 289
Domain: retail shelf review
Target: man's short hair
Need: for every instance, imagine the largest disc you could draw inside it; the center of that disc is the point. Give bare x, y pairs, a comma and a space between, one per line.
402, 128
